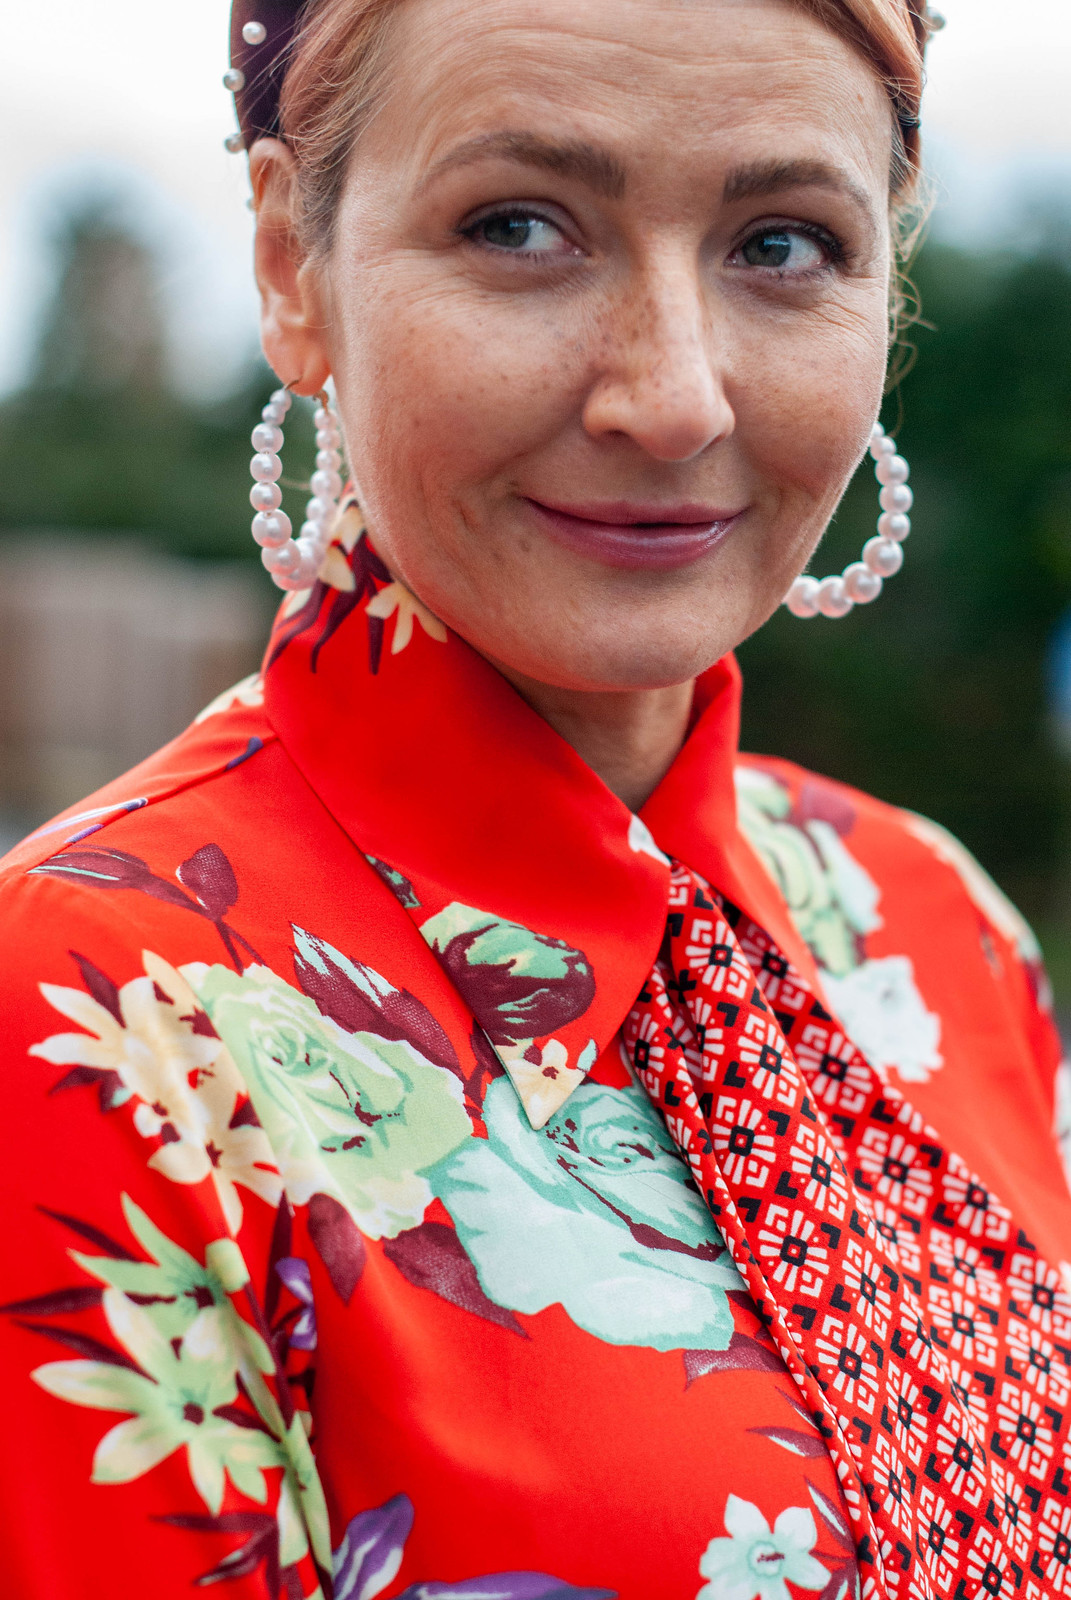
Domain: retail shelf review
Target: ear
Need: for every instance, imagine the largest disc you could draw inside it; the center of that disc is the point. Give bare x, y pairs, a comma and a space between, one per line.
292, 323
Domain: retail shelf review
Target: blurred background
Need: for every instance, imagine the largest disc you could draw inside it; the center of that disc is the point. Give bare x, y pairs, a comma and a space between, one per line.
130, 378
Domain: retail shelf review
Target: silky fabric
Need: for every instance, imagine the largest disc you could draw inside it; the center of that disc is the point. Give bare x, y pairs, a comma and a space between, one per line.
849, 1219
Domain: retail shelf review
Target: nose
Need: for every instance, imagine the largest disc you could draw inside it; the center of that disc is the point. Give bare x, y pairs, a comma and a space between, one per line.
661, 378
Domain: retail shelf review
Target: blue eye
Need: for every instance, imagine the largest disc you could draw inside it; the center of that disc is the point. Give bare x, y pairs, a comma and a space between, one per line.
519, 232
784, 250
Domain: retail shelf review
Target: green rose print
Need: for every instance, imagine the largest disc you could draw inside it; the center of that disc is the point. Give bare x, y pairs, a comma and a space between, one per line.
353, 1115
519, 984
834, 903
596, 1212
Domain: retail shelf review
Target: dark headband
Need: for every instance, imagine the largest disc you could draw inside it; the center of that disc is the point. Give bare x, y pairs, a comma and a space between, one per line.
262, 30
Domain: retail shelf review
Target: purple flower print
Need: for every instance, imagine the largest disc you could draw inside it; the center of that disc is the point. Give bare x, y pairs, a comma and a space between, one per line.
296, 1275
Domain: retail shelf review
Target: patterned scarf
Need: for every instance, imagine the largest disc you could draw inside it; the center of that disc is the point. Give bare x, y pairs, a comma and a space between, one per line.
931, 1344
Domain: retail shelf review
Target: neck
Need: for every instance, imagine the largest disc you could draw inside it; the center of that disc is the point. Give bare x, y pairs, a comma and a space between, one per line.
630, 739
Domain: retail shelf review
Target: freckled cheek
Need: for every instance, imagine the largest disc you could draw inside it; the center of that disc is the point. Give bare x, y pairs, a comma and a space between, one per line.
467, 394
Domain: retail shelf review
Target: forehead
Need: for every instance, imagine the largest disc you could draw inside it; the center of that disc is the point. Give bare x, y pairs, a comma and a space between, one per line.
683, 79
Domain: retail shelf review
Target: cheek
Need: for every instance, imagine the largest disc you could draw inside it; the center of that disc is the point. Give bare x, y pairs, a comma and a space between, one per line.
450, 392
805, 402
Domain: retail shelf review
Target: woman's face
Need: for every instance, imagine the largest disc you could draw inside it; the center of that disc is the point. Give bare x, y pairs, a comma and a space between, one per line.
607, 315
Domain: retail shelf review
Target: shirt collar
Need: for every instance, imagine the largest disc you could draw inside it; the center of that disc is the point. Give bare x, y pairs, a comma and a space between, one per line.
541, 894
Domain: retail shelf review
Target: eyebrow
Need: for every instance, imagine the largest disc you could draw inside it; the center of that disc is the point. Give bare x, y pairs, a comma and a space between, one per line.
569, 158
762, 178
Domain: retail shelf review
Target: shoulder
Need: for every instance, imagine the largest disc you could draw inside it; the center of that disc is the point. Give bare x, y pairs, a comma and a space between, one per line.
864, 850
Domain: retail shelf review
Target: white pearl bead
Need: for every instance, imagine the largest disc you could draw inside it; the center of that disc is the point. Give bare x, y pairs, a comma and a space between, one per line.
326, 485
254, 33
273, 413
802, 598
267, 436
328, 460
234, 80
894, 525
271, 528
265, 497
266, 467
319, 509
892, 469
323, 417
281, 397
328, 438
896, 497
313, 530
833, 599
234, 142
883, 556
877, 432
283, 559
884, 447
861, 584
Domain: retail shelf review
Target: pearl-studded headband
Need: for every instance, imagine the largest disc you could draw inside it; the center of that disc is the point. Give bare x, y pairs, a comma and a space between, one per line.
261, 32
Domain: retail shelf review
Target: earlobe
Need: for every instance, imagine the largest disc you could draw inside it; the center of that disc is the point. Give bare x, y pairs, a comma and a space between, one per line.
292, 330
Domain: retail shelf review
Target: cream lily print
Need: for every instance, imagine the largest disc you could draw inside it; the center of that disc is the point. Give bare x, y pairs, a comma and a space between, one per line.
757, 1562
395, 600
165, 1054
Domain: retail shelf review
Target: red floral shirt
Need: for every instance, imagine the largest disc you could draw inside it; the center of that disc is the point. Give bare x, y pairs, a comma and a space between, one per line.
343, 1253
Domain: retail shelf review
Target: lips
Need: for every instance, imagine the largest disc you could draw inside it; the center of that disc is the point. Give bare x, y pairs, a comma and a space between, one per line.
636, 534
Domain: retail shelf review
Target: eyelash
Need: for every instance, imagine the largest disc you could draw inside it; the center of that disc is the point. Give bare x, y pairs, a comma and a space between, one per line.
837, 256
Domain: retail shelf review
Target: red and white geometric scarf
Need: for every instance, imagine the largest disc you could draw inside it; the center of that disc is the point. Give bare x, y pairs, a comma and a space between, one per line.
930, 1342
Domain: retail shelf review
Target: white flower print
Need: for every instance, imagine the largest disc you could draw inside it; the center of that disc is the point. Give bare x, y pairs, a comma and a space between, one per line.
165, 1052
817, 1169
901, 1235
895, 1485
1039, 1362
965, 1267
880, 1005
890, 1166
963, 1325
756, 1562
960, 1456
937, 1541
987, 1565
1025, 1434
846, 1356
1054, 1537
1039, 1295
975, 1208
904, 1413
1016, 1522
745, 1152
863, 1279
795, 1254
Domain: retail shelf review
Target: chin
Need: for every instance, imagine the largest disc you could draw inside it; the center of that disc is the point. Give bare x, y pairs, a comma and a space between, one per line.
609, 661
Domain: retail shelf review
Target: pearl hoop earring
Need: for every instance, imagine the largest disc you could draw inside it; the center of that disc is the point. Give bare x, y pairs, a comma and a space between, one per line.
294, 563
883, 556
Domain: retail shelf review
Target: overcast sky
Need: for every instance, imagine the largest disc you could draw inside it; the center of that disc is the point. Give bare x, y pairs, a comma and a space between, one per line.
132, 87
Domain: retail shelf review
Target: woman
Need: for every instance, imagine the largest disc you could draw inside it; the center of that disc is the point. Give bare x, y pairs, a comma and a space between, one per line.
449, 1163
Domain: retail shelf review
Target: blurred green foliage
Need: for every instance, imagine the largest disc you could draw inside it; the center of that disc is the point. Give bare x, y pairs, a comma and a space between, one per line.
934, 698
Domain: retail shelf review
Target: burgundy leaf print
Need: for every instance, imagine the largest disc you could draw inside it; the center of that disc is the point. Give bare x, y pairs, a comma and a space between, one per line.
431, 1256
361, 1001
791, 1439
207, 872
743, 1355
109, 1084
211, 877
339, 1243
83, 1345
102, 988
62, 1302
396, 882
260, 1548
92, 1235
518, 983
368, 573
